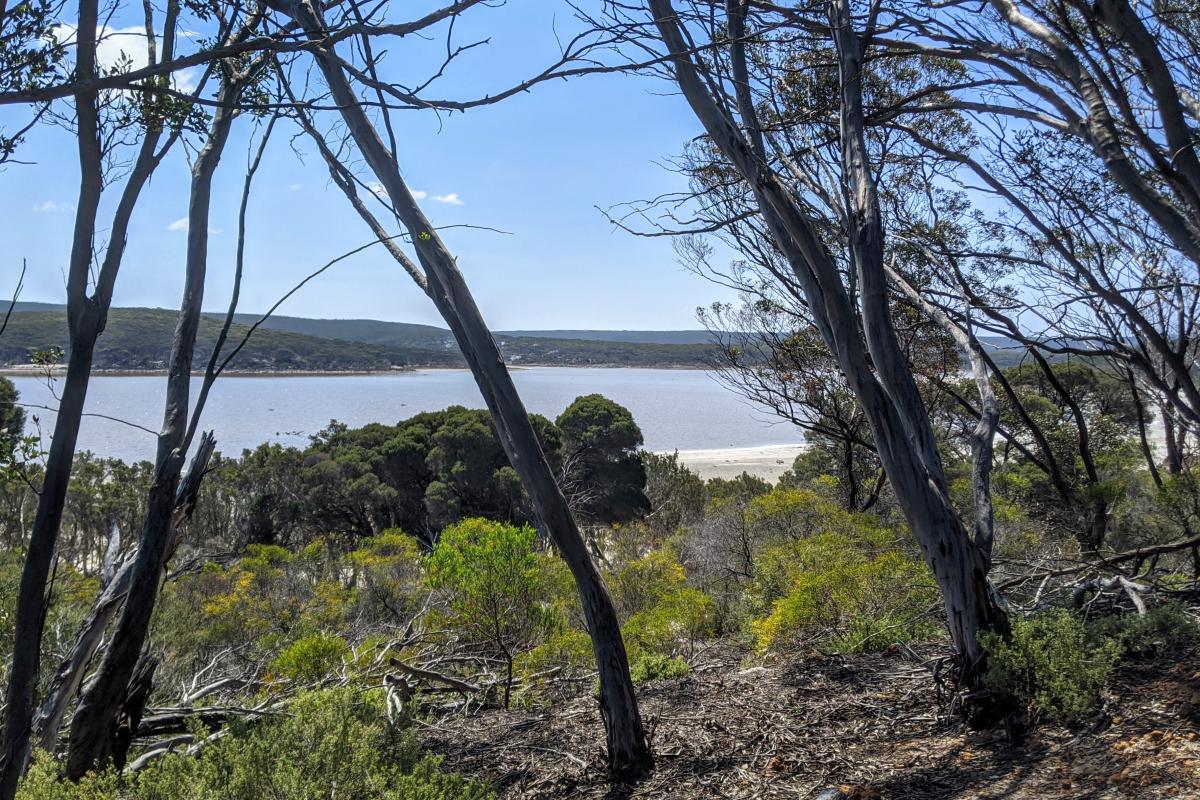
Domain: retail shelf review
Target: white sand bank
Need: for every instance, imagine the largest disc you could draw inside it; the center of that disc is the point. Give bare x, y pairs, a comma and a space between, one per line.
767, 462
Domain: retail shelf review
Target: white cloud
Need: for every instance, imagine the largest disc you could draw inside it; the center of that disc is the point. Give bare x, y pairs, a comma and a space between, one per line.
127, 47
51, 206
418, 194
295, 187
181, 226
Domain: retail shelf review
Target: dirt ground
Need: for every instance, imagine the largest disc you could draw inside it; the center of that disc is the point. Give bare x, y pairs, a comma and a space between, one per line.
871, 725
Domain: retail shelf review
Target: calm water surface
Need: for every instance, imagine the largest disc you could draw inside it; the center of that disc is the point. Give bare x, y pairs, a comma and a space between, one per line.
676, 409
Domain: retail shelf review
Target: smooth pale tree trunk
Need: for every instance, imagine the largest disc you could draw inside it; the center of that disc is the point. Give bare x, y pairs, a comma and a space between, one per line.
103, 694
85, 322
69, 676
628, 752
899, 427
983, 436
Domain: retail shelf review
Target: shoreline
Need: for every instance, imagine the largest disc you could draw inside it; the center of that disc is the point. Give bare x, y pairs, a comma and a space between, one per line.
766, 461
30, 371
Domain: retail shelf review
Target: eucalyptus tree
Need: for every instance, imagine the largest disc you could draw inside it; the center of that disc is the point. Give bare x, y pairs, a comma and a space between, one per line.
820, 205
1085, 125
436, 272
103, 694
105, 123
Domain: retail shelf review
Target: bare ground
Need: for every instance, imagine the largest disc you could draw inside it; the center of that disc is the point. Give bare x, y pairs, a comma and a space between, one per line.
869, 724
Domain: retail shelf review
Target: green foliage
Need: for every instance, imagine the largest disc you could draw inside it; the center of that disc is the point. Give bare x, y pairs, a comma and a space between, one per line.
333, 743
567, 648
832, 577
389, 572
70, 601
42, 782
653, 666
739, 490
12, 422
496, 594
1110, 414
661, 613
1052, 663
600, 444
1162, 629
681, 618
310, 658
675, 494
639, 584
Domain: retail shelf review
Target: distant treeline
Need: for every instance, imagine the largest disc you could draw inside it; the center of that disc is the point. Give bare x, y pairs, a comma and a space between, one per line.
139, 339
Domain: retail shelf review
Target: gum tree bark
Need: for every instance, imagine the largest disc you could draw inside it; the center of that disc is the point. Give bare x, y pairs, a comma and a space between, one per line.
86, 316
898, 421
984, 435
103, 694
629, 754
71, 670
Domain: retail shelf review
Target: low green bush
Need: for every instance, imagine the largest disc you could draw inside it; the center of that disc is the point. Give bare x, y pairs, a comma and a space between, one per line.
310, 658
1162, 629
1052, 663
844, 592
653, 666
332, 743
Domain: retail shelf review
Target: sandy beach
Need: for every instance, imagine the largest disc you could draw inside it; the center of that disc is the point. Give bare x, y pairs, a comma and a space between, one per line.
767, 462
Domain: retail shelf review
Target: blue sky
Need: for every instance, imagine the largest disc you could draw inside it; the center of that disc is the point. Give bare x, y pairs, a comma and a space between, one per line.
536, 165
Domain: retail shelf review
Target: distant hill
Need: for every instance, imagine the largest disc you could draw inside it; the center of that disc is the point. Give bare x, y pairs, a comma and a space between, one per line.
139, 338
642, 337
370, 331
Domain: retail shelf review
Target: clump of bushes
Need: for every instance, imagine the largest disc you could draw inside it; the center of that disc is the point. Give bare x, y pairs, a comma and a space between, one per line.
332, 743
310, 658
496, 593
846, 592
1162, 629
1051, 663
655, 666
1057, 663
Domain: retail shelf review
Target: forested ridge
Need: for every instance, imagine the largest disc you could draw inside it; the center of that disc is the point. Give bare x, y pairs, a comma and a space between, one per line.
135, 340
139, 339
956, 244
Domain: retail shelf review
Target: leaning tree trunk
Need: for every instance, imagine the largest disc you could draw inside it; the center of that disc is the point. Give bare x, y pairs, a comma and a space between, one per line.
85, 323
67, 679
103, 695
628, 752
898, 424
86, 318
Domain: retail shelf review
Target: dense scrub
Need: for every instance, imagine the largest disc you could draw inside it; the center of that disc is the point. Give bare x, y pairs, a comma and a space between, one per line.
406, 557
331, 743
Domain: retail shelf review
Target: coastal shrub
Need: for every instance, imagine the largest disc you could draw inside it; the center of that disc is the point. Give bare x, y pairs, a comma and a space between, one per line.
310, 658
332, 743
1051, 663
43, 782
848, 592
655, 666
496, 596
1162, 629
640, 584
678, 621
389, 576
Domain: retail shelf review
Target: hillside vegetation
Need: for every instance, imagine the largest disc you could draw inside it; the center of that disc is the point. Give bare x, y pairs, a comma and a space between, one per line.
139, 339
